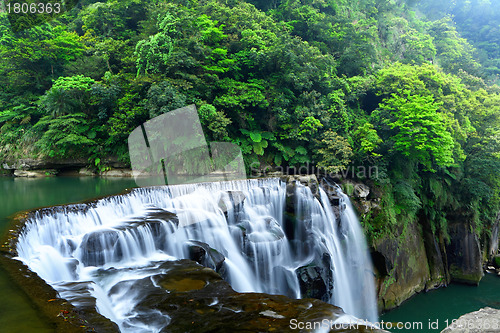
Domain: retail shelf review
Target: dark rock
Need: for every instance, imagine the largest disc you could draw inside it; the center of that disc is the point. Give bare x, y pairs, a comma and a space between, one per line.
35, 173
98, 245
406, 264
496, 261
36, 164
203, 254
381, 265
464, 255
436, 257
62, 316
311, 282
200, 300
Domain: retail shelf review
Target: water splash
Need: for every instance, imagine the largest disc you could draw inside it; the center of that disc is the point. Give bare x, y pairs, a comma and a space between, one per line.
120, 240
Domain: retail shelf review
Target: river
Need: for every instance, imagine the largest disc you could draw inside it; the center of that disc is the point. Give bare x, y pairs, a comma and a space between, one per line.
445, 304
17, 314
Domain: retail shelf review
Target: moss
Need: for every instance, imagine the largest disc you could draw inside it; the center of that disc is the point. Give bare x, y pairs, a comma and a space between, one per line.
496, 261
348, 188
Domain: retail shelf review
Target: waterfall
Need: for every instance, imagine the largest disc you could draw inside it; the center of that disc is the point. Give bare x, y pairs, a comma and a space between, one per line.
241, 226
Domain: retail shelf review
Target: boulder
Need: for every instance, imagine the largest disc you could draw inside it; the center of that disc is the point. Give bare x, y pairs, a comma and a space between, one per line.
86, 172
200, 299
204, 255
493, 241
235, 198
312, 284
35, 173
361, 191
117, 173
485, 320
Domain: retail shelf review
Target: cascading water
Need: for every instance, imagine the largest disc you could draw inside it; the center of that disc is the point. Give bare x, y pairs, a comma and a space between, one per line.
104, 248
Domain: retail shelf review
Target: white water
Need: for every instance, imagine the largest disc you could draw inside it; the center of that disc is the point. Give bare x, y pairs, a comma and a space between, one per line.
99, 245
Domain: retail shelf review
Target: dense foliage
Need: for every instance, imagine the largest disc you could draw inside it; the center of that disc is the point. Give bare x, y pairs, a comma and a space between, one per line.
332, 83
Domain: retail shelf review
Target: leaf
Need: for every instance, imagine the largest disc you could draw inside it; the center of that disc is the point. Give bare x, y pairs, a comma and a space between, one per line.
301, 150
255, 136
278, 159
268, 136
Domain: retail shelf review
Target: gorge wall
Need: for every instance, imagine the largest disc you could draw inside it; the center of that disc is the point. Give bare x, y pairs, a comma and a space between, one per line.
411, 258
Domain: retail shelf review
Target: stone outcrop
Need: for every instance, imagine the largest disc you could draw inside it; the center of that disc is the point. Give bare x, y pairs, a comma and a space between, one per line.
464, 255
403, 260
70, 167
37, 164
486, 320
35, 173
412, 258
200, 300
117, 173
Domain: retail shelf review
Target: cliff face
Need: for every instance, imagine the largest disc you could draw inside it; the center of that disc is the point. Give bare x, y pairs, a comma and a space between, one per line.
412, 258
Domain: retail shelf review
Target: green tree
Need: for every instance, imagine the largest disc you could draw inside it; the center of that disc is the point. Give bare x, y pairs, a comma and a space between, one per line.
419, 130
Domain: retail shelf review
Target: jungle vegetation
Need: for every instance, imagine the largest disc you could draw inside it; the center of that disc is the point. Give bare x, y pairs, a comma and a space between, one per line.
408, 86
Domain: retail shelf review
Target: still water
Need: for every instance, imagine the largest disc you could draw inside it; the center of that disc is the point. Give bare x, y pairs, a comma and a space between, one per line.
434, 308
17, 314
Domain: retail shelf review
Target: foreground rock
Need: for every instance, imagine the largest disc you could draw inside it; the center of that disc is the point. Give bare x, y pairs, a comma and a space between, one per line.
199, 300
485, 320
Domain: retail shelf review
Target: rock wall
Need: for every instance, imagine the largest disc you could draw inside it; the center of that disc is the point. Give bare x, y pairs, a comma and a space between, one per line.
402, 266
412, 258
35, 168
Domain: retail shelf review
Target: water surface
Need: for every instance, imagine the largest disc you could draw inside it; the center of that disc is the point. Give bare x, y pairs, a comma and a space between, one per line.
17, 313
434, 308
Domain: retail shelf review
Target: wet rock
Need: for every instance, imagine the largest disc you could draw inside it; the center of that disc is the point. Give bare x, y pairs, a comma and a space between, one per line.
199, 300
203, 254
361, 191
406, 265
476, 322
311, 282
496, 261
464, 255
493, 241
98, 246
161, 215
62, 316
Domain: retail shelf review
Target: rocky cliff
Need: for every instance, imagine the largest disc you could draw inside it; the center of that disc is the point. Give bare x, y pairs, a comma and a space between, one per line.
411, 258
